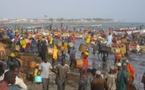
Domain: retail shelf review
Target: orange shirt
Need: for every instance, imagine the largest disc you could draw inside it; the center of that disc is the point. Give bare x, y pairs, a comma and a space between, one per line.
85, 63
131, 70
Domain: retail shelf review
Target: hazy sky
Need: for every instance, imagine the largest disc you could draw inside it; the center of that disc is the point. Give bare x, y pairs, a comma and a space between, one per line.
122, 10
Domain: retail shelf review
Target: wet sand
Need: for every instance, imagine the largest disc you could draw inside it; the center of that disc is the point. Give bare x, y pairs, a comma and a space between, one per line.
137, 60
72, 83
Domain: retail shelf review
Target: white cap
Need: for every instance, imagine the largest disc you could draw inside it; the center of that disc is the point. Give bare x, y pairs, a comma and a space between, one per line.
13, 40
127, 61
33, 36
21, 37
98, 72
119, 64
93, 43
124, 64
100, 37
71, 44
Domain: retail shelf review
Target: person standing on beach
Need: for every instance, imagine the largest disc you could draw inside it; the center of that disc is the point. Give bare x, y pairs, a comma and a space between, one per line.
111, 79
55, 54
39, 44
2, 70
45, 68
85, 60
13, 62
9, 78
109, 40
23, 44
122, 78
72, 54
143, 80
83, 80
34, 46
61, 71
98, 82
42, 48
19, 83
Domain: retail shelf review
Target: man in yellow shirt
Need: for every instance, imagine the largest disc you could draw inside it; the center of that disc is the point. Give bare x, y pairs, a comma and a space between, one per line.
88, 39
54, 54
23, 44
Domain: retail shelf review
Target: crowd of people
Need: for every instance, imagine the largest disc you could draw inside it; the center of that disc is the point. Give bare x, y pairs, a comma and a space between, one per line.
58, 53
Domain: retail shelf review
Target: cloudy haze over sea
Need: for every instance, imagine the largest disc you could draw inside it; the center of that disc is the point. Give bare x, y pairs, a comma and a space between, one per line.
119, 10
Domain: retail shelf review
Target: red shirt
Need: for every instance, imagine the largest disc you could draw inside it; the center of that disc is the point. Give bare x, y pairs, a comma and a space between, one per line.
85, 63
131, 69
3, 85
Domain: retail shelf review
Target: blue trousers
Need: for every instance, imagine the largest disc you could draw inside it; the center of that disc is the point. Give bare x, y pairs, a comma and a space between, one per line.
45, 83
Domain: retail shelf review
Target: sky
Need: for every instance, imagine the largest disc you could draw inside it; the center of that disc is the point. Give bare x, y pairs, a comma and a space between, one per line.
119, 10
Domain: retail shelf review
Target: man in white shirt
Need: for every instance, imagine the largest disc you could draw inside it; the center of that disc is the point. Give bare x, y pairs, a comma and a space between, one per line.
109, 40
45, 68
19, 84
18, 81
138, 48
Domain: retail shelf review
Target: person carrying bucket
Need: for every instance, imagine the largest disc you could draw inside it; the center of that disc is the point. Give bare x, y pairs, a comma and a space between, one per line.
45, 68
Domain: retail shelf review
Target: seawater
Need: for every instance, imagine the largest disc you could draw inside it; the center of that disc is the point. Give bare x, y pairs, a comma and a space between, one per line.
77, 26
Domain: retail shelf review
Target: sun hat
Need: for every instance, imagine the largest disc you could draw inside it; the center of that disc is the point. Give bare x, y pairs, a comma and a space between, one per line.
119, 64
98, 72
